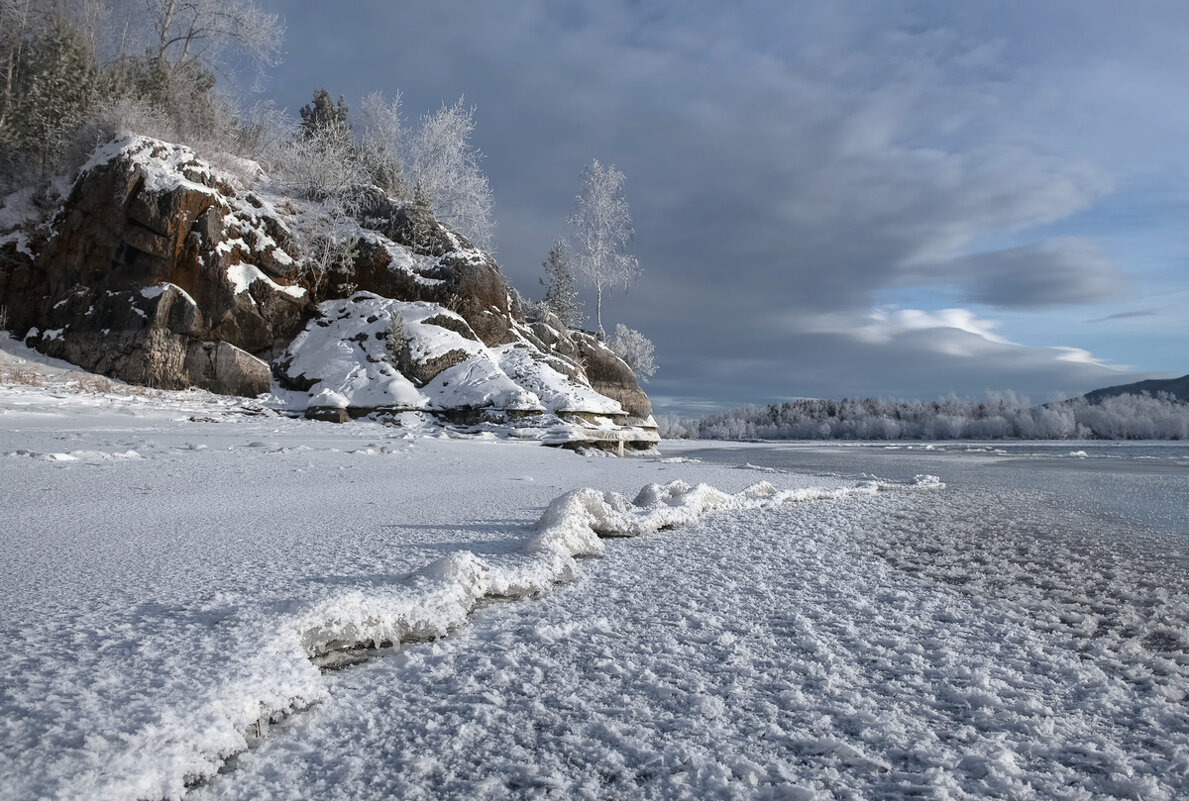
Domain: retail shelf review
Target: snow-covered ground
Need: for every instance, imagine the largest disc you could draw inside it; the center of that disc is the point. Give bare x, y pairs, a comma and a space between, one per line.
171, 561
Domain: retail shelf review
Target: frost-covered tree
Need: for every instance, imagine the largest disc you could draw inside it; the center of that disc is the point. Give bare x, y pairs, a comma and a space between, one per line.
397, 340
1004, 417
443, 161
601, 227
321, 168
48, 72
635, 349
561, 296
321, 164
264, 133
18, 21
166, 54
184, 95
329, 236
203, 32
73, 72
381, 139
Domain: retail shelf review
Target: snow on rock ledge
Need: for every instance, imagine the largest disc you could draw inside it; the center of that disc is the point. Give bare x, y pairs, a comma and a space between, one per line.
368, 353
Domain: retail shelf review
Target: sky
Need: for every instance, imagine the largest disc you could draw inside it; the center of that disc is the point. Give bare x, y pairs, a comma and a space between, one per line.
830, 199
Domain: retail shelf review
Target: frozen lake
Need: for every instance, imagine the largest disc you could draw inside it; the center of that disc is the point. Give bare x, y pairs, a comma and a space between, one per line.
169, 564
1023, 633
1134, 490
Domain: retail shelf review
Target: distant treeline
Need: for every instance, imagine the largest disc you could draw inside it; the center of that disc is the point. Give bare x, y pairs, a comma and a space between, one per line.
1007, 417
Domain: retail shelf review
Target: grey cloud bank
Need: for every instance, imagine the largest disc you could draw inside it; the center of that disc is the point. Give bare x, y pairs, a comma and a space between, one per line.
786, 161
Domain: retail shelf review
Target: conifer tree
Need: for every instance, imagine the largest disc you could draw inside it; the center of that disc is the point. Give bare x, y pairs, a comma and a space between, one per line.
422, 217
324, 115
50, 94
561, 296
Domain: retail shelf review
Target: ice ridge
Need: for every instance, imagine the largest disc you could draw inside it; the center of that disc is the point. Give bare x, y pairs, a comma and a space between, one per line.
432, 603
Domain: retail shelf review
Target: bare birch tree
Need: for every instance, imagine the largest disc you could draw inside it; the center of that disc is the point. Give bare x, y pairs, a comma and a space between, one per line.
190, 33
601, 226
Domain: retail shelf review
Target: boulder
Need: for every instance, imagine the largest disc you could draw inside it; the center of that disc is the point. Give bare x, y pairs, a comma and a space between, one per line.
154, 260
227, 370
610, 375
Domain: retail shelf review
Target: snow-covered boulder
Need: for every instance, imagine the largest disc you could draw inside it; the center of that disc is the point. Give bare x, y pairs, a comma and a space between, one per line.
155, 262
368, 354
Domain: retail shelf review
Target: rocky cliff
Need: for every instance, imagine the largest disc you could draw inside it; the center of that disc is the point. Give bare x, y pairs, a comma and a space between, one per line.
159, 269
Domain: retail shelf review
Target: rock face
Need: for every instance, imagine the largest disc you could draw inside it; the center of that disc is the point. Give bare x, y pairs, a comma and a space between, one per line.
160, 270
236, 372
154, 261
609, 375
606, 373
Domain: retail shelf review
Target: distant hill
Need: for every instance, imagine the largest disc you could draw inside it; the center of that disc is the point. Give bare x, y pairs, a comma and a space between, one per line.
1177, 387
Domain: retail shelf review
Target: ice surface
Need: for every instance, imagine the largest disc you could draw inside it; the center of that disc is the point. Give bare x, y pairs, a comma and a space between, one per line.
881, 645
768, 634
172, 560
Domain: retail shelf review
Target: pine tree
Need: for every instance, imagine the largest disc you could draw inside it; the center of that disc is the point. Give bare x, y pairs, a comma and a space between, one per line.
421, 219
17, 27
324, 115
561, 296
51, 94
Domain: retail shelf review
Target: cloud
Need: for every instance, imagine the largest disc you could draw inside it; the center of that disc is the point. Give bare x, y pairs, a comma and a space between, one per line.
1125, 315
783, 162
818, 166
1077, 356
905, 353
885, 325
1056, 272
956, 333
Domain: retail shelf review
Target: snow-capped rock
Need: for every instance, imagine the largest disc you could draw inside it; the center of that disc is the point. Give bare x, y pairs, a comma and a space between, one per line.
161, 269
